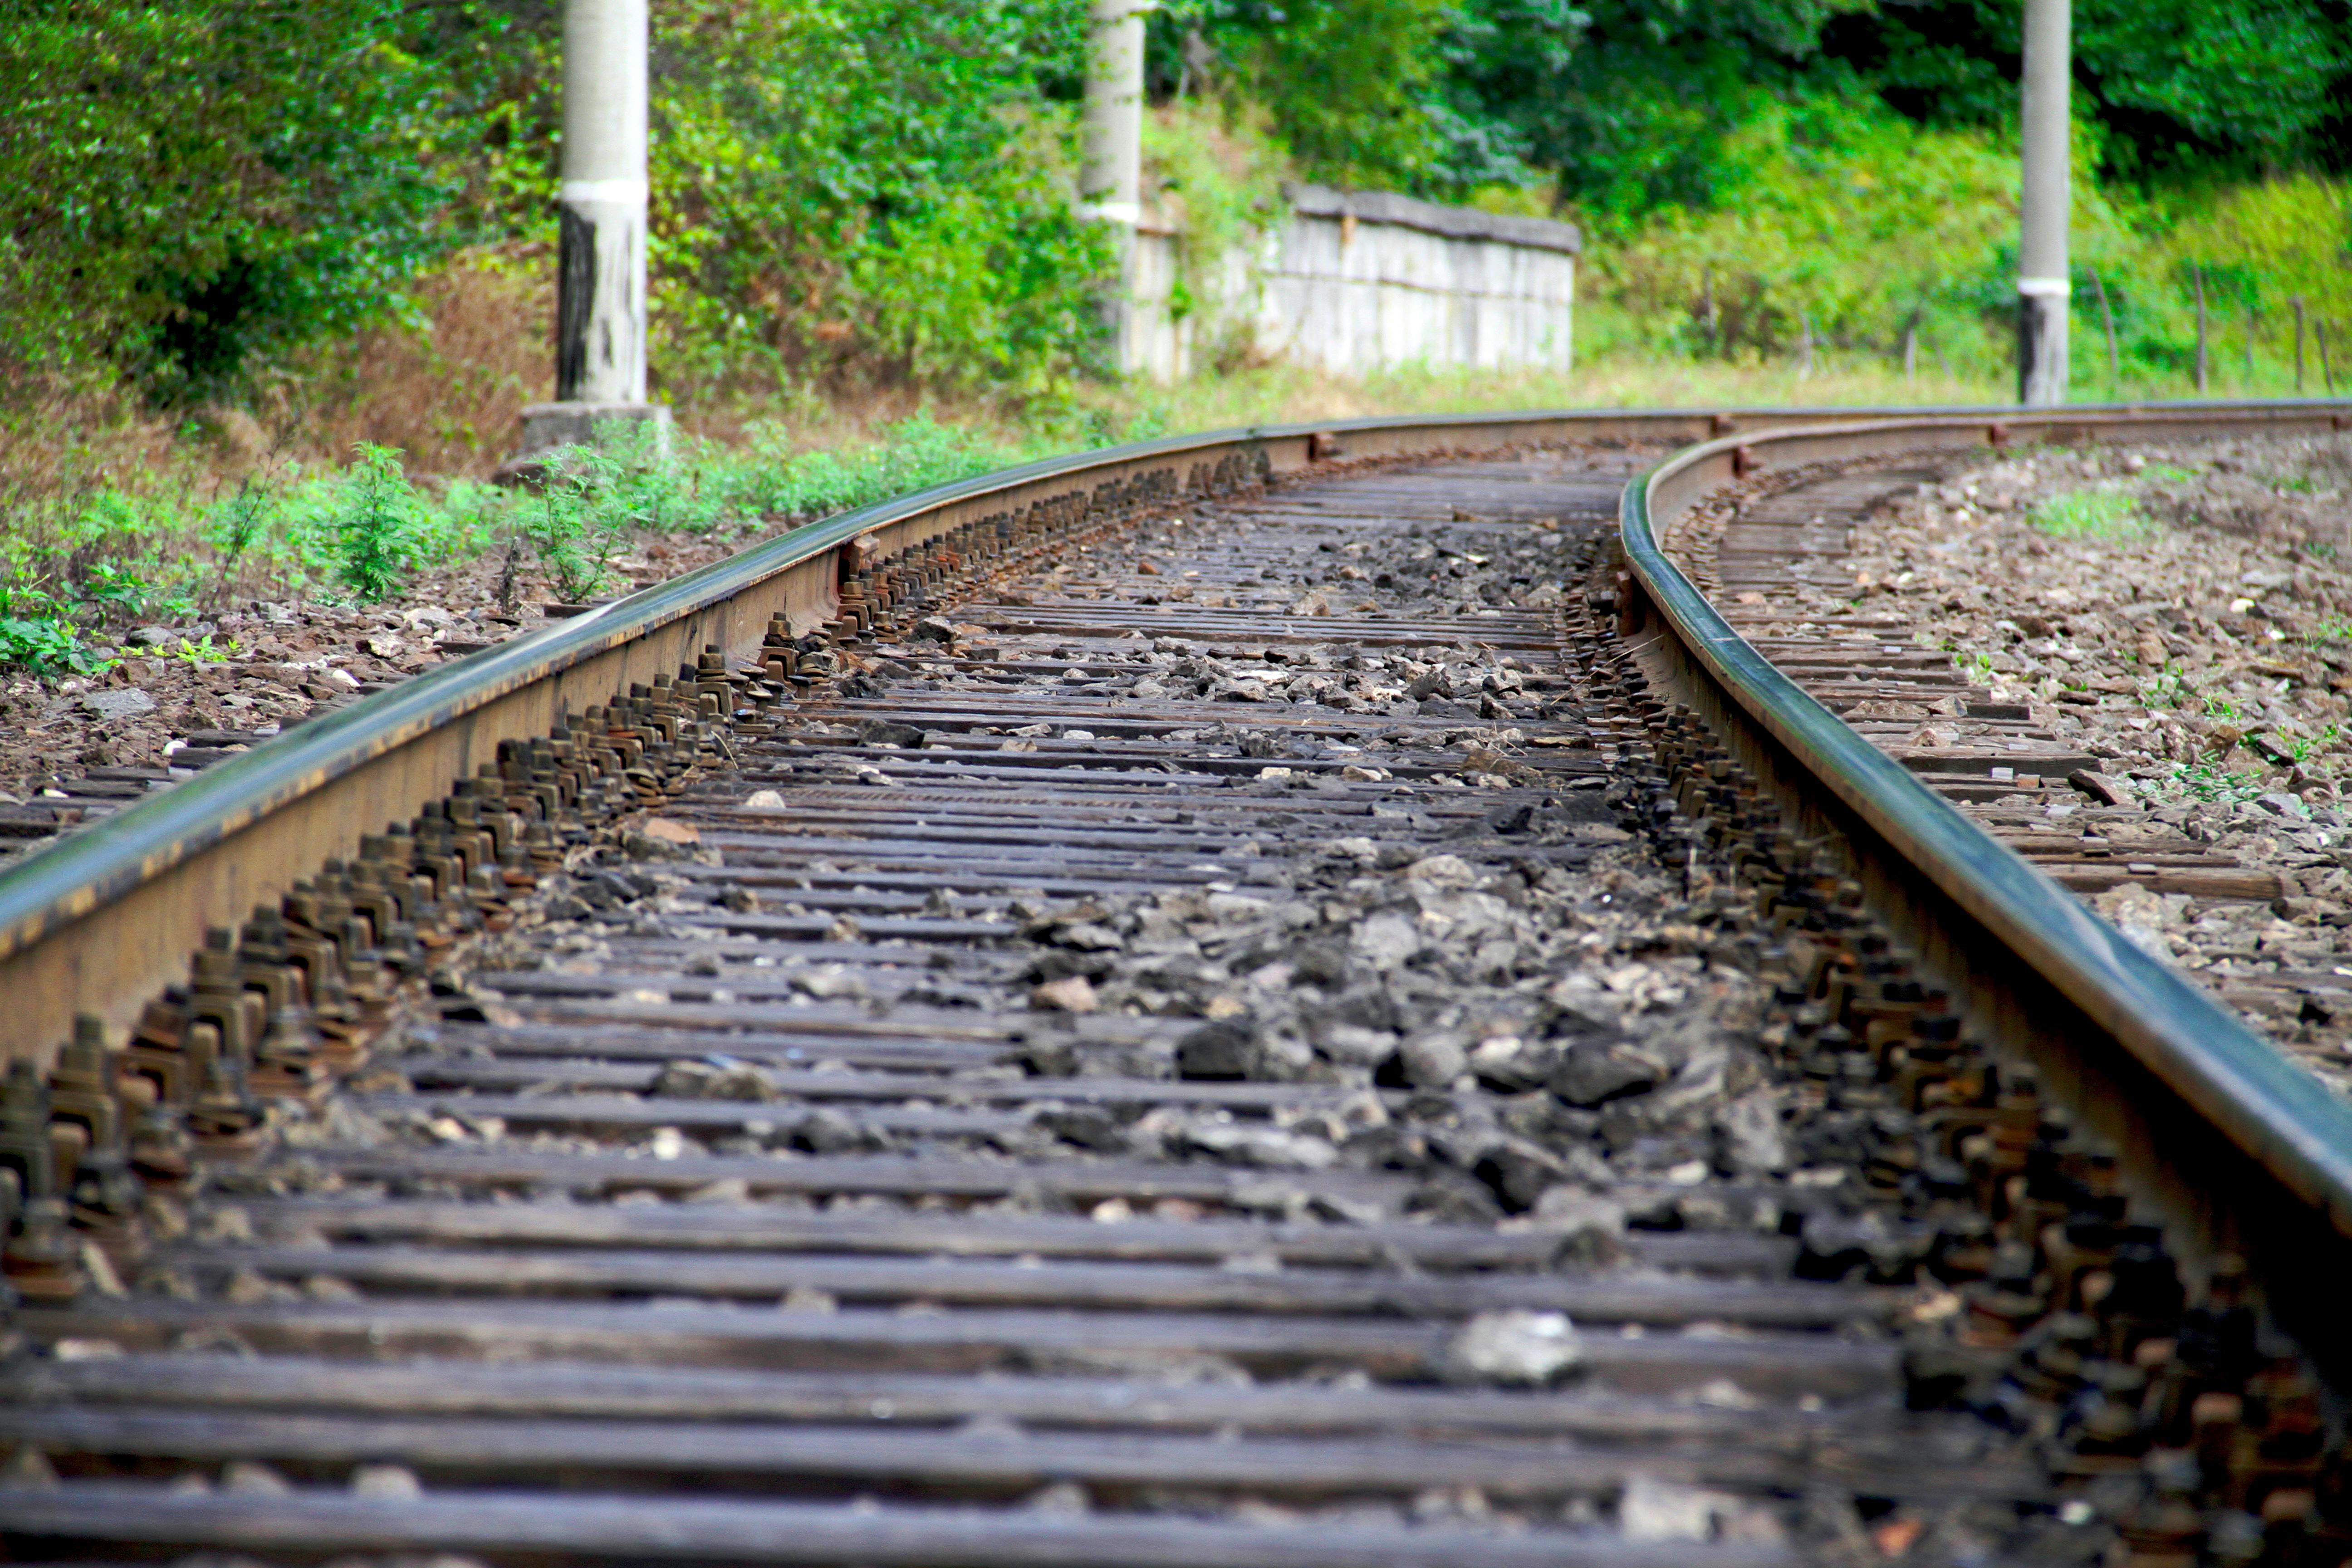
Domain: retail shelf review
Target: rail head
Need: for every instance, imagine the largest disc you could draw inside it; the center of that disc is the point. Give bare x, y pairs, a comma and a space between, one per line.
2271, 1109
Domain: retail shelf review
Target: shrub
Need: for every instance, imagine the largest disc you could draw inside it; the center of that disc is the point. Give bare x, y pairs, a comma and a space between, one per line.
575, 537
861, 180
375, 523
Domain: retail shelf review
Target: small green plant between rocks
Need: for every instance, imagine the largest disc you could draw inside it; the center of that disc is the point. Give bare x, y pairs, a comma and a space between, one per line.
578, 520
2210, 780
203, 651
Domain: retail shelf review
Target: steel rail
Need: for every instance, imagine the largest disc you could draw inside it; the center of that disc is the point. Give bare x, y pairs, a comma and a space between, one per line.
103, 919
2223, 1075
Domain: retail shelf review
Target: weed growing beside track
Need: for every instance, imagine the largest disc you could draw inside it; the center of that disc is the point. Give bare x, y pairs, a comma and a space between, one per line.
80, 571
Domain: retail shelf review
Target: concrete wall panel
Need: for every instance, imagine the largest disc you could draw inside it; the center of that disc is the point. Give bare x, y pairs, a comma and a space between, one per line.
1358, 283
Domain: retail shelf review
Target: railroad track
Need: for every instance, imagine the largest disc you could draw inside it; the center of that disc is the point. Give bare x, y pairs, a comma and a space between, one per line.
1288, 999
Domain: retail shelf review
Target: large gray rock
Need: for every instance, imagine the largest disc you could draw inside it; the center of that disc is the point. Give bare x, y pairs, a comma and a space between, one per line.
1749, 1139
1514, 1347
1224, 1051
1592, 1074
124, 702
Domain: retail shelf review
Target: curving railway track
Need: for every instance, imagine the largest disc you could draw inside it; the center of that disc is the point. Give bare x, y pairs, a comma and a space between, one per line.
1290, 998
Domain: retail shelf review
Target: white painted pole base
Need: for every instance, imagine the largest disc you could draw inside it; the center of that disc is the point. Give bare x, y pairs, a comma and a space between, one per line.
547, 426
2041, 349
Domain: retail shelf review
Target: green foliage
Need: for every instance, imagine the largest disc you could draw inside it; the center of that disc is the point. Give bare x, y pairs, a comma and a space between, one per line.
34, 638
1865, 228
2202, 87
195, 189
595, 498
573, 523
992, 287
191, 186
73, 565
853, 179
1736, 152
1629, 104
2330, 630
848, 191
1346, 85
1848, 220
1221, 184
1367, 93
2210, 780
48, 622
239, 524
117, 557
111, 593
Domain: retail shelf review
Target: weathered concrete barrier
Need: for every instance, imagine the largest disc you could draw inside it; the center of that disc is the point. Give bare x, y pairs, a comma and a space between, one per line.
1358, 281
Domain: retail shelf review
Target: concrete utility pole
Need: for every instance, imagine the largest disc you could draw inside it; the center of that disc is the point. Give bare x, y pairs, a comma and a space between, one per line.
2042, 285
600, 324
1110, 183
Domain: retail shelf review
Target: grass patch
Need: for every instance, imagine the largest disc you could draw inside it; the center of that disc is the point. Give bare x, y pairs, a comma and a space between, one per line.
2103, 514
2211, 782
76, 570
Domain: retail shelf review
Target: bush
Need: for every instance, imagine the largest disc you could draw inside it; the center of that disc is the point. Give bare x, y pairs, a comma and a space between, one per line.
196, 189
35, 638
189, 187
1850, 221
107, 564
768, 480
573, 522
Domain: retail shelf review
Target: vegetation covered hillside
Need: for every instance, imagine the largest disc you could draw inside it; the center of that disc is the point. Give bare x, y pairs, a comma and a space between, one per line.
199, 193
